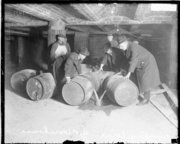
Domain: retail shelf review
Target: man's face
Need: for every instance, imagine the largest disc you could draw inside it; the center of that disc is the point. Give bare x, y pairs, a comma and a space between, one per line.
124, 45
110, 38
61, 39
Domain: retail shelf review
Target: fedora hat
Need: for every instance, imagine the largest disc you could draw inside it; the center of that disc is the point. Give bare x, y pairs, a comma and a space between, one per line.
84, 51
123, 37
61, 35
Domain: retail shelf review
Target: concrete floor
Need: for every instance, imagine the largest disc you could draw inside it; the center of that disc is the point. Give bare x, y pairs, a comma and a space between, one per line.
51, 120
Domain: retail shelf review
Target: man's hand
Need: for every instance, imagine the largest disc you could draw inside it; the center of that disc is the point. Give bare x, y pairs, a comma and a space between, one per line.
127, 76
109, 51
68, 79
101, 67
119, 73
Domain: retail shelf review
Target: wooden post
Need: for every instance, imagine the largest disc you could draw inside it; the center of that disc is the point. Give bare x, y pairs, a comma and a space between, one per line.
173, 69
55, 27
20, 50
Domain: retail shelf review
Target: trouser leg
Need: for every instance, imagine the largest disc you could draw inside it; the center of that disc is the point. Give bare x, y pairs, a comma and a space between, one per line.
146, 98
56, 68
147, 95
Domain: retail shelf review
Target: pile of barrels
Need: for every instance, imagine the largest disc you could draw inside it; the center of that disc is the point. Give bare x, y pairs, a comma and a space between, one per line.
120, 91
79, 90
36, 86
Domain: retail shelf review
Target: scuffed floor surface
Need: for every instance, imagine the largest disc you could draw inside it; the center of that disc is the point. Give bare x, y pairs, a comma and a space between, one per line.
53, 121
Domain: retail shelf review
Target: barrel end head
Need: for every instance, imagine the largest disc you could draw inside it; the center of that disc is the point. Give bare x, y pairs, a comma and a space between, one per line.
34, 89
73, 94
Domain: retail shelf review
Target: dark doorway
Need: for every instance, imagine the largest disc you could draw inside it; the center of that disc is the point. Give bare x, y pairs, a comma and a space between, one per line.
70, 40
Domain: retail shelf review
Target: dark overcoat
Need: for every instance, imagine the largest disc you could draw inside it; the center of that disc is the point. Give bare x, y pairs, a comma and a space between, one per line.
56, 63
116, 60
72, 65
145, 65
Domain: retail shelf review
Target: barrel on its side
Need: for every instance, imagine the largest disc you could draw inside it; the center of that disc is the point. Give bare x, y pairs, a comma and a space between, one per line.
19, 79
121, 91
98, 77
40, 87
78, 91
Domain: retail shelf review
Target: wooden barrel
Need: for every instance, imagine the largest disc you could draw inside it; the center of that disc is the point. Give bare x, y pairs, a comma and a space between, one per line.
77, 91
19, 79
80, 88
40, 87
121, 91
98, 77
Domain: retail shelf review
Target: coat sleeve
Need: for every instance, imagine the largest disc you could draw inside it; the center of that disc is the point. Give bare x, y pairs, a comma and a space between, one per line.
104, 60
68, 49
52, 52
133, 61
79, 68
68, 67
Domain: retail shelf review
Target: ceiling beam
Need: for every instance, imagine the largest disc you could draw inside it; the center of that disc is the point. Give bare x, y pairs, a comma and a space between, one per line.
87, 30
16, 32
24, 29
111, 20
37, 10
88, 13
14, 24
77, 28
48, 12
23, 19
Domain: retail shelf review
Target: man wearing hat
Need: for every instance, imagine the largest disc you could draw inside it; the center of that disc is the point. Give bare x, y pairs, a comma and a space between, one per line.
114, 59
60, 50
141, 60
73, 63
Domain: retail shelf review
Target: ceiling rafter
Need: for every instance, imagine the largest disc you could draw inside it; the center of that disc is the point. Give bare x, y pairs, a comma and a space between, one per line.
23, 29
23, 19
15, 24
87, 12
16, 32
37, 10
58, 10
48, 12
77, 28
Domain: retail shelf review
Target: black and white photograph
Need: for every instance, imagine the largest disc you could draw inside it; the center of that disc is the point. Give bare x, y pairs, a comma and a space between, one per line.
101, 72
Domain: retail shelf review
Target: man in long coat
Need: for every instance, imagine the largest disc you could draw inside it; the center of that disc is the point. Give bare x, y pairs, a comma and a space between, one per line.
73, 64
60, 50
114, 58
145, 65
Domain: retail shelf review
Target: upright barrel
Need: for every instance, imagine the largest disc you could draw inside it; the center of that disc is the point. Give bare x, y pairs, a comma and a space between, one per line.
40, 87
121, 91
19, 79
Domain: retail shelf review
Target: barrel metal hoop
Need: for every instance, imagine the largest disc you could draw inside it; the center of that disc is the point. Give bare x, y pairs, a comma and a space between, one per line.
41, 86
